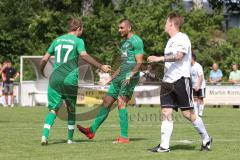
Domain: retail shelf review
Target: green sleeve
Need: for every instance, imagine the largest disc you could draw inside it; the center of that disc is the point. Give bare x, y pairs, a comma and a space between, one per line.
51, 48
80, 46
138, 46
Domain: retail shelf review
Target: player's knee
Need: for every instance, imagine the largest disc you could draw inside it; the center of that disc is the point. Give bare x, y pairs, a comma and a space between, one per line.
122, 103
189, 115
121, 106
166, 115
201, 100
107, 102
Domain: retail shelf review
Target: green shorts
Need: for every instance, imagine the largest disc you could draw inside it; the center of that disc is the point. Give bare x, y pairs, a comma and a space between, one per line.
62, 87
118, 88
56, 98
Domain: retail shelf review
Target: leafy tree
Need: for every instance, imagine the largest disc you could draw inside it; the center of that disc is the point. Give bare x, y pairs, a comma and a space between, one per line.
231, 5
28, 27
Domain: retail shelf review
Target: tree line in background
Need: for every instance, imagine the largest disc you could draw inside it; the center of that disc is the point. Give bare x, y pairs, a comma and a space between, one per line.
29, 26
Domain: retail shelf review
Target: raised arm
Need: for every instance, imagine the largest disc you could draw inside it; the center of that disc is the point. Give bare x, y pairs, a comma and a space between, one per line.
167, 58
92, 61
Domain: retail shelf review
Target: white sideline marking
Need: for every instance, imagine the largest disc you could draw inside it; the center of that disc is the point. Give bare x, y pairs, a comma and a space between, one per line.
184, 141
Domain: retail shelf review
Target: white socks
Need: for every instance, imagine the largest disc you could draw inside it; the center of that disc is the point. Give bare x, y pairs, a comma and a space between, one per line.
166, 132
195, 104
198, 124
200, 110
167, 129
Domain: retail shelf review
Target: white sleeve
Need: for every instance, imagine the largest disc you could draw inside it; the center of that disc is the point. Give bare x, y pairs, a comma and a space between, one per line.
182, 44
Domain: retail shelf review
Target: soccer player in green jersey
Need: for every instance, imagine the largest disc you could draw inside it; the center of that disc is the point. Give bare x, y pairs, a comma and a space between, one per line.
64, 78
123, 82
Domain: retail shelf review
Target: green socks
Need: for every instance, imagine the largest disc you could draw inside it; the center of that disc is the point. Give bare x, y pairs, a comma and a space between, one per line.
50, 118
48, 123
71, 124
123, 115
101, 116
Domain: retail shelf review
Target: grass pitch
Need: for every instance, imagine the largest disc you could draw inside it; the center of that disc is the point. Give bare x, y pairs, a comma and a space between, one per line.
21, 128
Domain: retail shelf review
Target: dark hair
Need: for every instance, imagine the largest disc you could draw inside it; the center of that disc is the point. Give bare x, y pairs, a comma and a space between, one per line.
126, 21
74, 24
194, 57
8, 61
176, 19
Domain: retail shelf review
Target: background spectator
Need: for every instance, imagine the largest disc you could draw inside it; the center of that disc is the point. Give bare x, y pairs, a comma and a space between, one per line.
1, 82
216, 75
3, 76
234, 76
198, 83
9, 74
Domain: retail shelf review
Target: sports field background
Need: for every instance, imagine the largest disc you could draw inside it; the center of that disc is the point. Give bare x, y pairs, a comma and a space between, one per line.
21, 129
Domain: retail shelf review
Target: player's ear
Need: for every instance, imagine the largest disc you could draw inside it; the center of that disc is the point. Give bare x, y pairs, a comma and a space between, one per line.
129, 28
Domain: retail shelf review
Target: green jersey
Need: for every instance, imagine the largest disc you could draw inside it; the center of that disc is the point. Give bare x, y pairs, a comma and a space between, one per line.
65, 48
129, 49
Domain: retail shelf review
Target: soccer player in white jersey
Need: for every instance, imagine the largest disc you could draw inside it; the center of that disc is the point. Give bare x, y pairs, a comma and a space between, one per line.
176, 89
199, 84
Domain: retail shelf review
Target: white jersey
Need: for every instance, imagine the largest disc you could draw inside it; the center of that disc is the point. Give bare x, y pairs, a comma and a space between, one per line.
196, 71
173, 71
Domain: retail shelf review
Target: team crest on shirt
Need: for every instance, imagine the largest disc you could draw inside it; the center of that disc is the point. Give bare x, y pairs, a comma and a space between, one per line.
125, 47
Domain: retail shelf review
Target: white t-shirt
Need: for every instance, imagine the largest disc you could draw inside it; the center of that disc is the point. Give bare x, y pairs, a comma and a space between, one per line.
196, 71
173, 71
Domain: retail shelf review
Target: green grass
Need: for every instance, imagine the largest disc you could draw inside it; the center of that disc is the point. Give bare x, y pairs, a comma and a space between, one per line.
21, 127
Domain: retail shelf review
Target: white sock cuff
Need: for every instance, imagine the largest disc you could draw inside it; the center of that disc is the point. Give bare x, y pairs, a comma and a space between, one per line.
167, 122
47, 126
71, 127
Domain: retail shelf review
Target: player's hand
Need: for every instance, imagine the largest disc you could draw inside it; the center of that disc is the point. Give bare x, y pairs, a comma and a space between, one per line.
155, 59
128, 78
11, 79
106, 68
